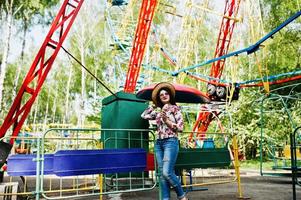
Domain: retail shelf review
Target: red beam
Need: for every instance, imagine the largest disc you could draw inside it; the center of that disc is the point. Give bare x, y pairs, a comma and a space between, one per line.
142, 31
224, 36
276, 82
222, 47
40, 67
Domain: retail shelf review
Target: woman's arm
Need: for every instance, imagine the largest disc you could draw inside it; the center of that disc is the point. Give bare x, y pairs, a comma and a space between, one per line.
149, 113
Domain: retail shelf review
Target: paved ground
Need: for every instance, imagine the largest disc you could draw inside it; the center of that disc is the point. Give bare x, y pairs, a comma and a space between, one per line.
259, 188
254, 187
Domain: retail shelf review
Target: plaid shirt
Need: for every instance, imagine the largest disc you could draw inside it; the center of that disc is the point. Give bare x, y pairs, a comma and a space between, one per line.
173, 113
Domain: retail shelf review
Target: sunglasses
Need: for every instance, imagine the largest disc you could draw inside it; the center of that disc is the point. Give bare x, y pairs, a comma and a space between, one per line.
164, 94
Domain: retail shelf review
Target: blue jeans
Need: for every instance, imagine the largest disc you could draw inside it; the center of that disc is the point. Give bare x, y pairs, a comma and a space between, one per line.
166, 154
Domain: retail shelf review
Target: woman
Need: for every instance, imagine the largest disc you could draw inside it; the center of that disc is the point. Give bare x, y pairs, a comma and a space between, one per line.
169, 121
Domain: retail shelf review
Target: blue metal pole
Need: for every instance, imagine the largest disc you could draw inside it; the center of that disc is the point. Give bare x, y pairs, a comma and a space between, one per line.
249, 50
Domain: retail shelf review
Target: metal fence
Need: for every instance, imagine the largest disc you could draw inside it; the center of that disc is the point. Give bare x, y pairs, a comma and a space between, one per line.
50, 186
40, 184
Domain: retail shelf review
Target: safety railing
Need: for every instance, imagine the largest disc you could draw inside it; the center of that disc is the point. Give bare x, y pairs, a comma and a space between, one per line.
210, 151
63, 166
295, 168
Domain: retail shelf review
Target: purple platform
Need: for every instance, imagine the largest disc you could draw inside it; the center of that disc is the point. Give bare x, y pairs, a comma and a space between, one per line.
80, 162
83, 162
23, 164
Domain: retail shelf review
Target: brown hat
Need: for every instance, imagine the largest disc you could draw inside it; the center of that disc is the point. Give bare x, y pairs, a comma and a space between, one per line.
159, 87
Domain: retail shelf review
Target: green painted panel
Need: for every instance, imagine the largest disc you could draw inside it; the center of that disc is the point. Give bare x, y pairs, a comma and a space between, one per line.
203, 158
123, 112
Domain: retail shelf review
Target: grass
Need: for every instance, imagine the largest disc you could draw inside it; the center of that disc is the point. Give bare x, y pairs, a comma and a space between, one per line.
255, 164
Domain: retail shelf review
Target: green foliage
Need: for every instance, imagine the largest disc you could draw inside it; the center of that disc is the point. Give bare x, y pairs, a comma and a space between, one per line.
255, 164
276, 11
283, 56
27, 10
284, 50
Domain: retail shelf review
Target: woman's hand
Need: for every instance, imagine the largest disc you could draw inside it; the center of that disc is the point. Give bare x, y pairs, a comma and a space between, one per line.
164, 116
151, 104
165, 119
164, 113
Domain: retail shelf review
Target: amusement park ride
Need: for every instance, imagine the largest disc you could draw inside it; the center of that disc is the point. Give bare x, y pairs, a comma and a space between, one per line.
59, 30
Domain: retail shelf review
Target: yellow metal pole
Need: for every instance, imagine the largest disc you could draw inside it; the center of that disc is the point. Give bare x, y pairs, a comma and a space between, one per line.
236, 166
50, 184
184, 177
100, 186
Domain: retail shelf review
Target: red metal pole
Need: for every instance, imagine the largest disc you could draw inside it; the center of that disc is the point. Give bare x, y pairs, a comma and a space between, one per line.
142, 31
40, 67
224, 36
222, 47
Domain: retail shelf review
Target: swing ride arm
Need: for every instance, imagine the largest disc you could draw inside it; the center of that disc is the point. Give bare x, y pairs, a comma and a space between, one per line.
204, 118
40, 67
146, 15
224, 38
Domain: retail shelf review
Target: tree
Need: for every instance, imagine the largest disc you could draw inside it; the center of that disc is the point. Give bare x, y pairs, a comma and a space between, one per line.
10, 8
284, 50
24, 11
32, 12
